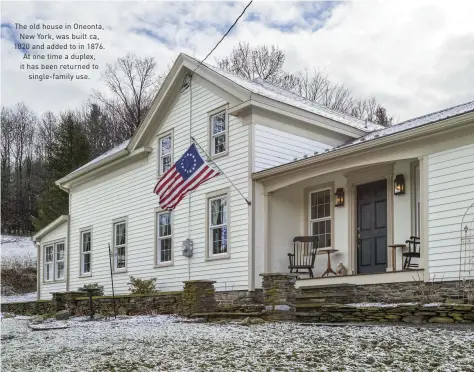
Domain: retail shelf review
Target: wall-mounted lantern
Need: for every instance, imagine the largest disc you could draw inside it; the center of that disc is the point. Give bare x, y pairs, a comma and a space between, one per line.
340, 197
399, 185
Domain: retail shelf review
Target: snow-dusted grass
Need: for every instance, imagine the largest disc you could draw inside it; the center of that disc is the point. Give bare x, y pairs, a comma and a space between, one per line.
17, 247
164, 343
20, 298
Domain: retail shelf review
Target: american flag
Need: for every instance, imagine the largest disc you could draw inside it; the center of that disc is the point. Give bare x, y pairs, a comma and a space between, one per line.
184, 176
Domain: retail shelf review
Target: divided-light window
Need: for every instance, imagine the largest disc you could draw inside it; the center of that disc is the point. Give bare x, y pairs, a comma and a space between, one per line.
120, 245
164, 239
218, 225
165, 152
54, 266
86, 252
218, 133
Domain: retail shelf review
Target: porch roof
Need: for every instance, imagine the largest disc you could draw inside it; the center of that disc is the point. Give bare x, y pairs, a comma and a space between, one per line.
422, 125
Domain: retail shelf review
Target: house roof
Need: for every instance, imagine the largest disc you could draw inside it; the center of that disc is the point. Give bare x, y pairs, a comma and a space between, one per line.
57, 222
260, 87
415, 122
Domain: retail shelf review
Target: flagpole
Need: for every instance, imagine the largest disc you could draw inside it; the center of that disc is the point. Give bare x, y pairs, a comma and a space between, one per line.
220, 170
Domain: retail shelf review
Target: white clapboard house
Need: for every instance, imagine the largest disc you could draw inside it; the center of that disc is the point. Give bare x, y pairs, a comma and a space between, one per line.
288, 157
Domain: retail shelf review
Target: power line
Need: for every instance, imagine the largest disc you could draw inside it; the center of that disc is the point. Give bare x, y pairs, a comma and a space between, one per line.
223, 37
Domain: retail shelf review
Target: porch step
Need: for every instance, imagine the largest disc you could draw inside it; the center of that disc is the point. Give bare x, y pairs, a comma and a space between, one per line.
329, 297
233, 315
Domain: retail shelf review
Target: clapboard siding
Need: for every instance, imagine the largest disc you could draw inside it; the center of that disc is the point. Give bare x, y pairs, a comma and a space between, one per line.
56, 235
450, 194
274, 147
128, 193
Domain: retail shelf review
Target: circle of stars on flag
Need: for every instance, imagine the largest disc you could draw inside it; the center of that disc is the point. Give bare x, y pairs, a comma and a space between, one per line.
192, 168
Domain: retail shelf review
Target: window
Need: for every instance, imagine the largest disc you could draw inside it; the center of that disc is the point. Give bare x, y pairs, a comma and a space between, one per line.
165, 153
86, 252
48, 262
218, 225
120, 245
54, 255
320, 217
164, 240
218, 133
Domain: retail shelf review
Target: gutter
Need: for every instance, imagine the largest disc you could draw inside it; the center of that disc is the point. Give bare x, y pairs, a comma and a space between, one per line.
377, 142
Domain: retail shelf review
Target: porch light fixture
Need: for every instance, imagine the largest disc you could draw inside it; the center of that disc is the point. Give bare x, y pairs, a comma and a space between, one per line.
340, 197
399, 184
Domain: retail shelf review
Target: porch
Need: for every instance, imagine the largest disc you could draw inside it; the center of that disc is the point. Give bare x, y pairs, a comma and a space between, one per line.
359, 229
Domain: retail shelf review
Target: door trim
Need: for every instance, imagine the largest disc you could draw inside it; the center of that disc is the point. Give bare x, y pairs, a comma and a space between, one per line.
354, 180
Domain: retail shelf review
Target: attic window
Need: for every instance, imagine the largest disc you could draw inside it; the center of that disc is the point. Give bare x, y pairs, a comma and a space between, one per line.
219, 128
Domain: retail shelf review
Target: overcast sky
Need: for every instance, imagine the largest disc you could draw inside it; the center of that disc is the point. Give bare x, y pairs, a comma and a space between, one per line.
415, 57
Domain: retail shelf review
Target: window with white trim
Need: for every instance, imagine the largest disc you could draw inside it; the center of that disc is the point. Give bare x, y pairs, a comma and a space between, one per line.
320, 217
120, 245
218, 225
165, 153
48, 263
218, 133
164, 238
86, 237
59, 261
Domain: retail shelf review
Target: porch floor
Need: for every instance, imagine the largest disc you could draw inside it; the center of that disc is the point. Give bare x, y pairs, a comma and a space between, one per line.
361, 279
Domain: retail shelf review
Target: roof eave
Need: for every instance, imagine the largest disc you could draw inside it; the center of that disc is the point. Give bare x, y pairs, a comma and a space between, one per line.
57, 222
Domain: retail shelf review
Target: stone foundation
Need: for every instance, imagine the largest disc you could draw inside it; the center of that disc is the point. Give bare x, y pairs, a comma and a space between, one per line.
29, 308
279, 295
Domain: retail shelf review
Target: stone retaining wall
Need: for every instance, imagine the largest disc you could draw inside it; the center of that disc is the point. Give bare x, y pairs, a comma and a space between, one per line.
236, 300
417, 314
395, 292
29, 308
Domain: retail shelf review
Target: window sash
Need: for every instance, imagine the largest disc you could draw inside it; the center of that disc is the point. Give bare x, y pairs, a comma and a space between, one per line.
165, 155
218, 244
165, 240
218, 134
59, 266
120, 244
86, 247
320, 216
54, 262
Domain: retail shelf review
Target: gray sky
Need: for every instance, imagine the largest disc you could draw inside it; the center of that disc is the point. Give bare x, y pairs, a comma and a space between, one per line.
415, 57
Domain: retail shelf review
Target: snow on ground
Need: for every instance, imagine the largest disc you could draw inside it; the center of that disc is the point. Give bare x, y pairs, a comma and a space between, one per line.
17, 246
165, 343
20, 298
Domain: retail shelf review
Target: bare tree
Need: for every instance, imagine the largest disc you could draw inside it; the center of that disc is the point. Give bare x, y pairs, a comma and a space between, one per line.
132, 83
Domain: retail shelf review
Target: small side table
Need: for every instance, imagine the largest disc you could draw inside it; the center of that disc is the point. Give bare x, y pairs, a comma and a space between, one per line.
329, 270
394, 256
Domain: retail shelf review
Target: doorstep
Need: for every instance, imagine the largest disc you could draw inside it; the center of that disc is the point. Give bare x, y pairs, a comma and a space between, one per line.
362, 279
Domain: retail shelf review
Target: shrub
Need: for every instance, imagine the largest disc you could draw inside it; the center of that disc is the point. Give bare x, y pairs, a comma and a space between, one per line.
18, 275
142, 286
98, 289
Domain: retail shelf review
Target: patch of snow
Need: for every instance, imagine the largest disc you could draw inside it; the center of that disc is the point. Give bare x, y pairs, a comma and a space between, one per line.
164, 343
27, 297
379, 304
434, 304
17, 246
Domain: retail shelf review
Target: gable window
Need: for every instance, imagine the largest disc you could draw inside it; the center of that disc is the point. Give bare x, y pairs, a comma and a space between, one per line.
165, 153
164, 238
54, 255
120, 245
218, 133
86, 237
320, 217
218, 225
48, 262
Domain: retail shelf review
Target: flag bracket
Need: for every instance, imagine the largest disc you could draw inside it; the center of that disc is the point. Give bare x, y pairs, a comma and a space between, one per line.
220, 170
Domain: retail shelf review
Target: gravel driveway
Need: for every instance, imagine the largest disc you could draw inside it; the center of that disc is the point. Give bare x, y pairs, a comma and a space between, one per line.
165, 343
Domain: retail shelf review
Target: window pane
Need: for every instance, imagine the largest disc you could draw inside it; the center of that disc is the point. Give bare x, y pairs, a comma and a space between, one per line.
219, 144
86, 241
49, 271
165, 163
49, 254
165, 250
86, 263
218, 123
120, 257
165, 145
164, 221
60, 270
218, 211
120, 234
60, 252
219, 240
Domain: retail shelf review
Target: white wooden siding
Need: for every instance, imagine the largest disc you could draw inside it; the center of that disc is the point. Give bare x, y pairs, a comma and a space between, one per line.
451, 192
128, 193
46, 288
274, 147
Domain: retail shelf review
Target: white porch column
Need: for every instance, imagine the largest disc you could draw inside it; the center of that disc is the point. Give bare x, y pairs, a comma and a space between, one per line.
260, 235
424, 262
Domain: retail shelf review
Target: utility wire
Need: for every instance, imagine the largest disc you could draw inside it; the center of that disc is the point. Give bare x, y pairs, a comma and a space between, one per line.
223, 37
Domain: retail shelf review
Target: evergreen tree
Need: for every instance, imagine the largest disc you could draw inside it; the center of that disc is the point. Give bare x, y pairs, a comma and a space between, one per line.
69, 150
